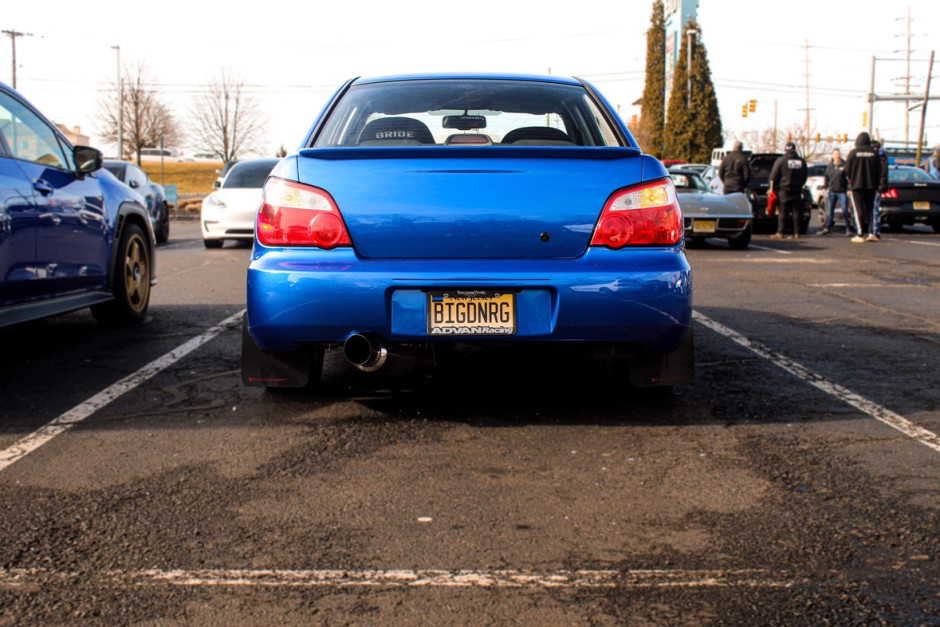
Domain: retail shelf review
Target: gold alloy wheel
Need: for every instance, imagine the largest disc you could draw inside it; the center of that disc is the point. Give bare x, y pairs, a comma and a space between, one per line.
137, 274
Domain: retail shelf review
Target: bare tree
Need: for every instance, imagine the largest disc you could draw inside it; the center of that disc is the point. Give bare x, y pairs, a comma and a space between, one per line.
817, 147
147, 119
226, 120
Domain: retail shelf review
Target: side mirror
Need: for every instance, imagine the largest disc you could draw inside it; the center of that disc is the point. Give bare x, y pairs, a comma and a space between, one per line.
134, 184
216, 184
86, 159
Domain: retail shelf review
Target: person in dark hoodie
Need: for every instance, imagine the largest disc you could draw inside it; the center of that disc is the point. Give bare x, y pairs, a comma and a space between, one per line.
734, 171
787, 178
863, 166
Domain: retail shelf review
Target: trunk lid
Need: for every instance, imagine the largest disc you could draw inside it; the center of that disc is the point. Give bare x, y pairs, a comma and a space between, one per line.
539, 203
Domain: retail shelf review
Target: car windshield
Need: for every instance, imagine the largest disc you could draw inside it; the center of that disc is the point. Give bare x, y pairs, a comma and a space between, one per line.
816, 170
688, 182
471, 112
249, 173
908, 175
116, 170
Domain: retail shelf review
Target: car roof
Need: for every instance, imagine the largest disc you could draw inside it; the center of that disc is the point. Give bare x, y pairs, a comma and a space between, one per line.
467, 76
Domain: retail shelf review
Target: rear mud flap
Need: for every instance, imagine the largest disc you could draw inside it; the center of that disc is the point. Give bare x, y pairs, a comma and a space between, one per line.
665, 369
275, 369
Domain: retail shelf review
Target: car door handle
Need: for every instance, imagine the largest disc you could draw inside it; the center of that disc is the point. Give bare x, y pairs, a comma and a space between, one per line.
42, 187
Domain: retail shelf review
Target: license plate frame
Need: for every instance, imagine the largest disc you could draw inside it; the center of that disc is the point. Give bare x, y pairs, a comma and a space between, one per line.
471, 313
704, 226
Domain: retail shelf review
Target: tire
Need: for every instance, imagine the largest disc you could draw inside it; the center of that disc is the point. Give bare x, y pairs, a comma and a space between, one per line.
742, 241
131, 281
163, 226
212, 243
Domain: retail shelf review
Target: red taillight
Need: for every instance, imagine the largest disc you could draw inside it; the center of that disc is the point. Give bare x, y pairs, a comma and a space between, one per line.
647, 214
293, 214
891, 193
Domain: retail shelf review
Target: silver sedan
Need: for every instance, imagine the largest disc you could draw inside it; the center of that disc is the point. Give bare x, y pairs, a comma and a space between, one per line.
709, 214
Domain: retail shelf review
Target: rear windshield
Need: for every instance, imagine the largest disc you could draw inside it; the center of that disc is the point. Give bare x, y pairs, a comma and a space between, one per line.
761, 166
909, 175
473, 112
249, 174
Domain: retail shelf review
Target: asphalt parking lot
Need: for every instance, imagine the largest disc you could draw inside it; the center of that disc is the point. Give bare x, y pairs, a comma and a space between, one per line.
795, 481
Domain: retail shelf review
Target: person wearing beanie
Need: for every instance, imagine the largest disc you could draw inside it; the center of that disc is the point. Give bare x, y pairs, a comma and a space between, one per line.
734, 171
863, 166
787, 178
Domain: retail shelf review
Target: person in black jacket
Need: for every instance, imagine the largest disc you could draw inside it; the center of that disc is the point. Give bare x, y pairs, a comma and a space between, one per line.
865, 177
882, 188
734, 171
836, 183
787, 178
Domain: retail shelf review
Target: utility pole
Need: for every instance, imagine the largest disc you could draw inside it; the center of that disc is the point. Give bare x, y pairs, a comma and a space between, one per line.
13, 34
907, 82
775, 127
690, 34
806, 61
923, 111
120, 86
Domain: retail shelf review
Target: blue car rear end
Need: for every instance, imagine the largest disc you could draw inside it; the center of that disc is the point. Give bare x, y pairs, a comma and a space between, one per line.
379, 237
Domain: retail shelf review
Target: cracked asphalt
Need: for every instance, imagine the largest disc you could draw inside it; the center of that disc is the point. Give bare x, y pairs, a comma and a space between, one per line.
504, 489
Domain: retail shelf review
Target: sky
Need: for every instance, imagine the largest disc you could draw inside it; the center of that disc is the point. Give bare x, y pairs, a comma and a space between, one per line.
293, 55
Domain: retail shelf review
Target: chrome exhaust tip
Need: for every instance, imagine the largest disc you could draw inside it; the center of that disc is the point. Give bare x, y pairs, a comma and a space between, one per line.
366, 352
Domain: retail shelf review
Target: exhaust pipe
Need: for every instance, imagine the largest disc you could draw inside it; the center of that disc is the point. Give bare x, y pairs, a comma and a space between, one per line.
366, 352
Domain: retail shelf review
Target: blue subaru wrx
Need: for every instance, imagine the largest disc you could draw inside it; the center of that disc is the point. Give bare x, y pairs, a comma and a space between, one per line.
423, 214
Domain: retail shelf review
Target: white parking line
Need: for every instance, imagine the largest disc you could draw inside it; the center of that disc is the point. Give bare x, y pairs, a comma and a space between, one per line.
922, 243
773, 250
79, 413
577, 579
874, 410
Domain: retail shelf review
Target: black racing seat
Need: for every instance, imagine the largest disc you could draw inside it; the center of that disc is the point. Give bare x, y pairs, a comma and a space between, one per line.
395, 131
538, 136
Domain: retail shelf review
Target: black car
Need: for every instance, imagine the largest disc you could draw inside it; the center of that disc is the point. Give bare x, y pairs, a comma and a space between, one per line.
761, 165
153, 194
913, 196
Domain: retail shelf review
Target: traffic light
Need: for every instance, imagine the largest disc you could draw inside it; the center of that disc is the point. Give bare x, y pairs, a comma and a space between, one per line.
864, 118
744, 110
752, 105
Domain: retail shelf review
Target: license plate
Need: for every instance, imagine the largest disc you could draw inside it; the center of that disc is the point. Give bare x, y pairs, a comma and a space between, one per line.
703, 226
922, 204
471, 312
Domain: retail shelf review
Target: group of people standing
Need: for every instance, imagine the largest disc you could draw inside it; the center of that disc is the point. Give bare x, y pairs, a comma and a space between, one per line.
855, 183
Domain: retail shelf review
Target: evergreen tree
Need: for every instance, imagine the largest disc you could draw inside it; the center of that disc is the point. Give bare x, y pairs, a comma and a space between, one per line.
693, 125
653, 105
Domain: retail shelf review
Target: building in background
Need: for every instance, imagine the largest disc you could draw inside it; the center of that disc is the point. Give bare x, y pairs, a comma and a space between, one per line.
75, 135
678, 12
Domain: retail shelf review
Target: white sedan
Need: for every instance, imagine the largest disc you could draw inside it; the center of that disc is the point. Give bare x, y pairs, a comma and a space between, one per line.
229, 212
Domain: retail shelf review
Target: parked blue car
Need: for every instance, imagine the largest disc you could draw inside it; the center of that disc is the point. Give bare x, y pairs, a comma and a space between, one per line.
71, 235
423, 213
154, 196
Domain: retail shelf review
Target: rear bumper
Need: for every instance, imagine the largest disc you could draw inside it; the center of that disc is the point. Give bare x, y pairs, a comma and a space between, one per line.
724, 226
906, 214
641, 297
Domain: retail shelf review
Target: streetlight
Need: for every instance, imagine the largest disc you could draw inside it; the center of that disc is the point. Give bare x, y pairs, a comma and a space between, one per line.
688, 71
120, 86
